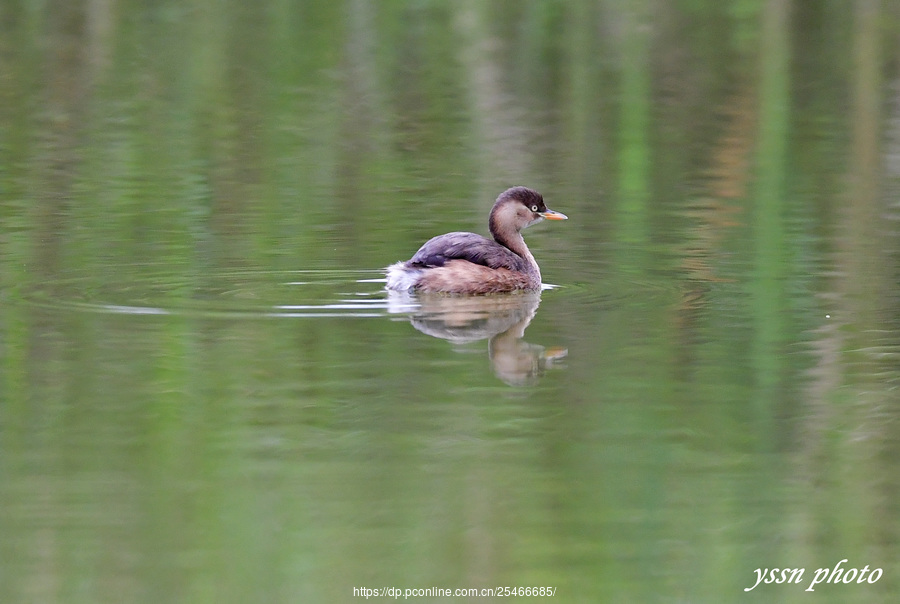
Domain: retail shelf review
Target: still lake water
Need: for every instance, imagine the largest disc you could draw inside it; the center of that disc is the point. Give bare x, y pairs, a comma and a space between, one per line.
207, 396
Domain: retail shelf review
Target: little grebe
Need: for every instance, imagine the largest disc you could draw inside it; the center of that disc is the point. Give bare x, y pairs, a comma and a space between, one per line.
466, 263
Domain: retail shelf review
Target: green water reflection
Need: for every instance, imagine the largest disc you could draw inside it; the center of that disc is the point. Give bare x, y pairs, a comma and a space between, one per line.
207, 397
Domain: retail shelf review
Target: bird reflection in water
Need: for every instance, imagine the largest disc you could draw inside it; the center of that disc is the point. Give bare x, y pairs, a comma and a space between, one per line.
502, 318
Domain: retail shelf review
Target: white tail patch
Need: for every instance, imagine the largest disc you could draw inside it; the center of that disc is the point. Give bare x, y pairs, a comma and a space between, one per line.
402, 278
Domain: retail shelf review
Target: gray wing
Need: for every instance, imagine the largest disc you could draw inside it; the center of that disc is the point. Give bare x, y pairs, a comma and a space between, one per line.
466, 246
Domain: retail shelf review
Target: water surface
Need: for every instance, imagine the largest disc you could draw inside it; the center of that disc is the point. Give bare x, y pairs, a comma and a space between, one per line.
207, 396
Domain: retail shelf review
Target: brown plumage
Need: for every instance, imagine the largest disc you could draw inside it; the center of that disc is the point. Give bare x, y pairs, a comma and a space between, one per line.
466, 263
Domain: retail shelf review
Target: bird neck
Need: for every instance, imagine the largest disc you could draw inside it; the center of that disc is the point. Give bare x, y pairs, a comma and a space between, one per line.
514, 241
502, 226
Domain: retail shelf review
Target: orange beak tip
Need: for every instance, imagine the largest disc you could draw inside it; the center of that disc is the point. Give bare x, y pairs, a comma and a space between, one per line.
552, 215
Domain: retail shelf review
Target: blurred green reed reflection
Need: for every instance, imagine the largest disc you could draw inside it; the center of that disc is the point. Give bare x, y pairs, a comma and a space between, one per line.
205, 395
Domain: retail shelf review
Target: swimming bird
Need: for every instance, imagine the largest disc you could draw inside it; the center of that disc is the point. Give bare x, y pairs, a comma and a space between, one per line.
467, 263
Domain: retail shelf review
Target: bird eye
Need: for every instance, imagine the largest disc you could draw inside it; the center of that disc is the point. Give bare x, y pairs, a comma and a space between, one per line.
534, 208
